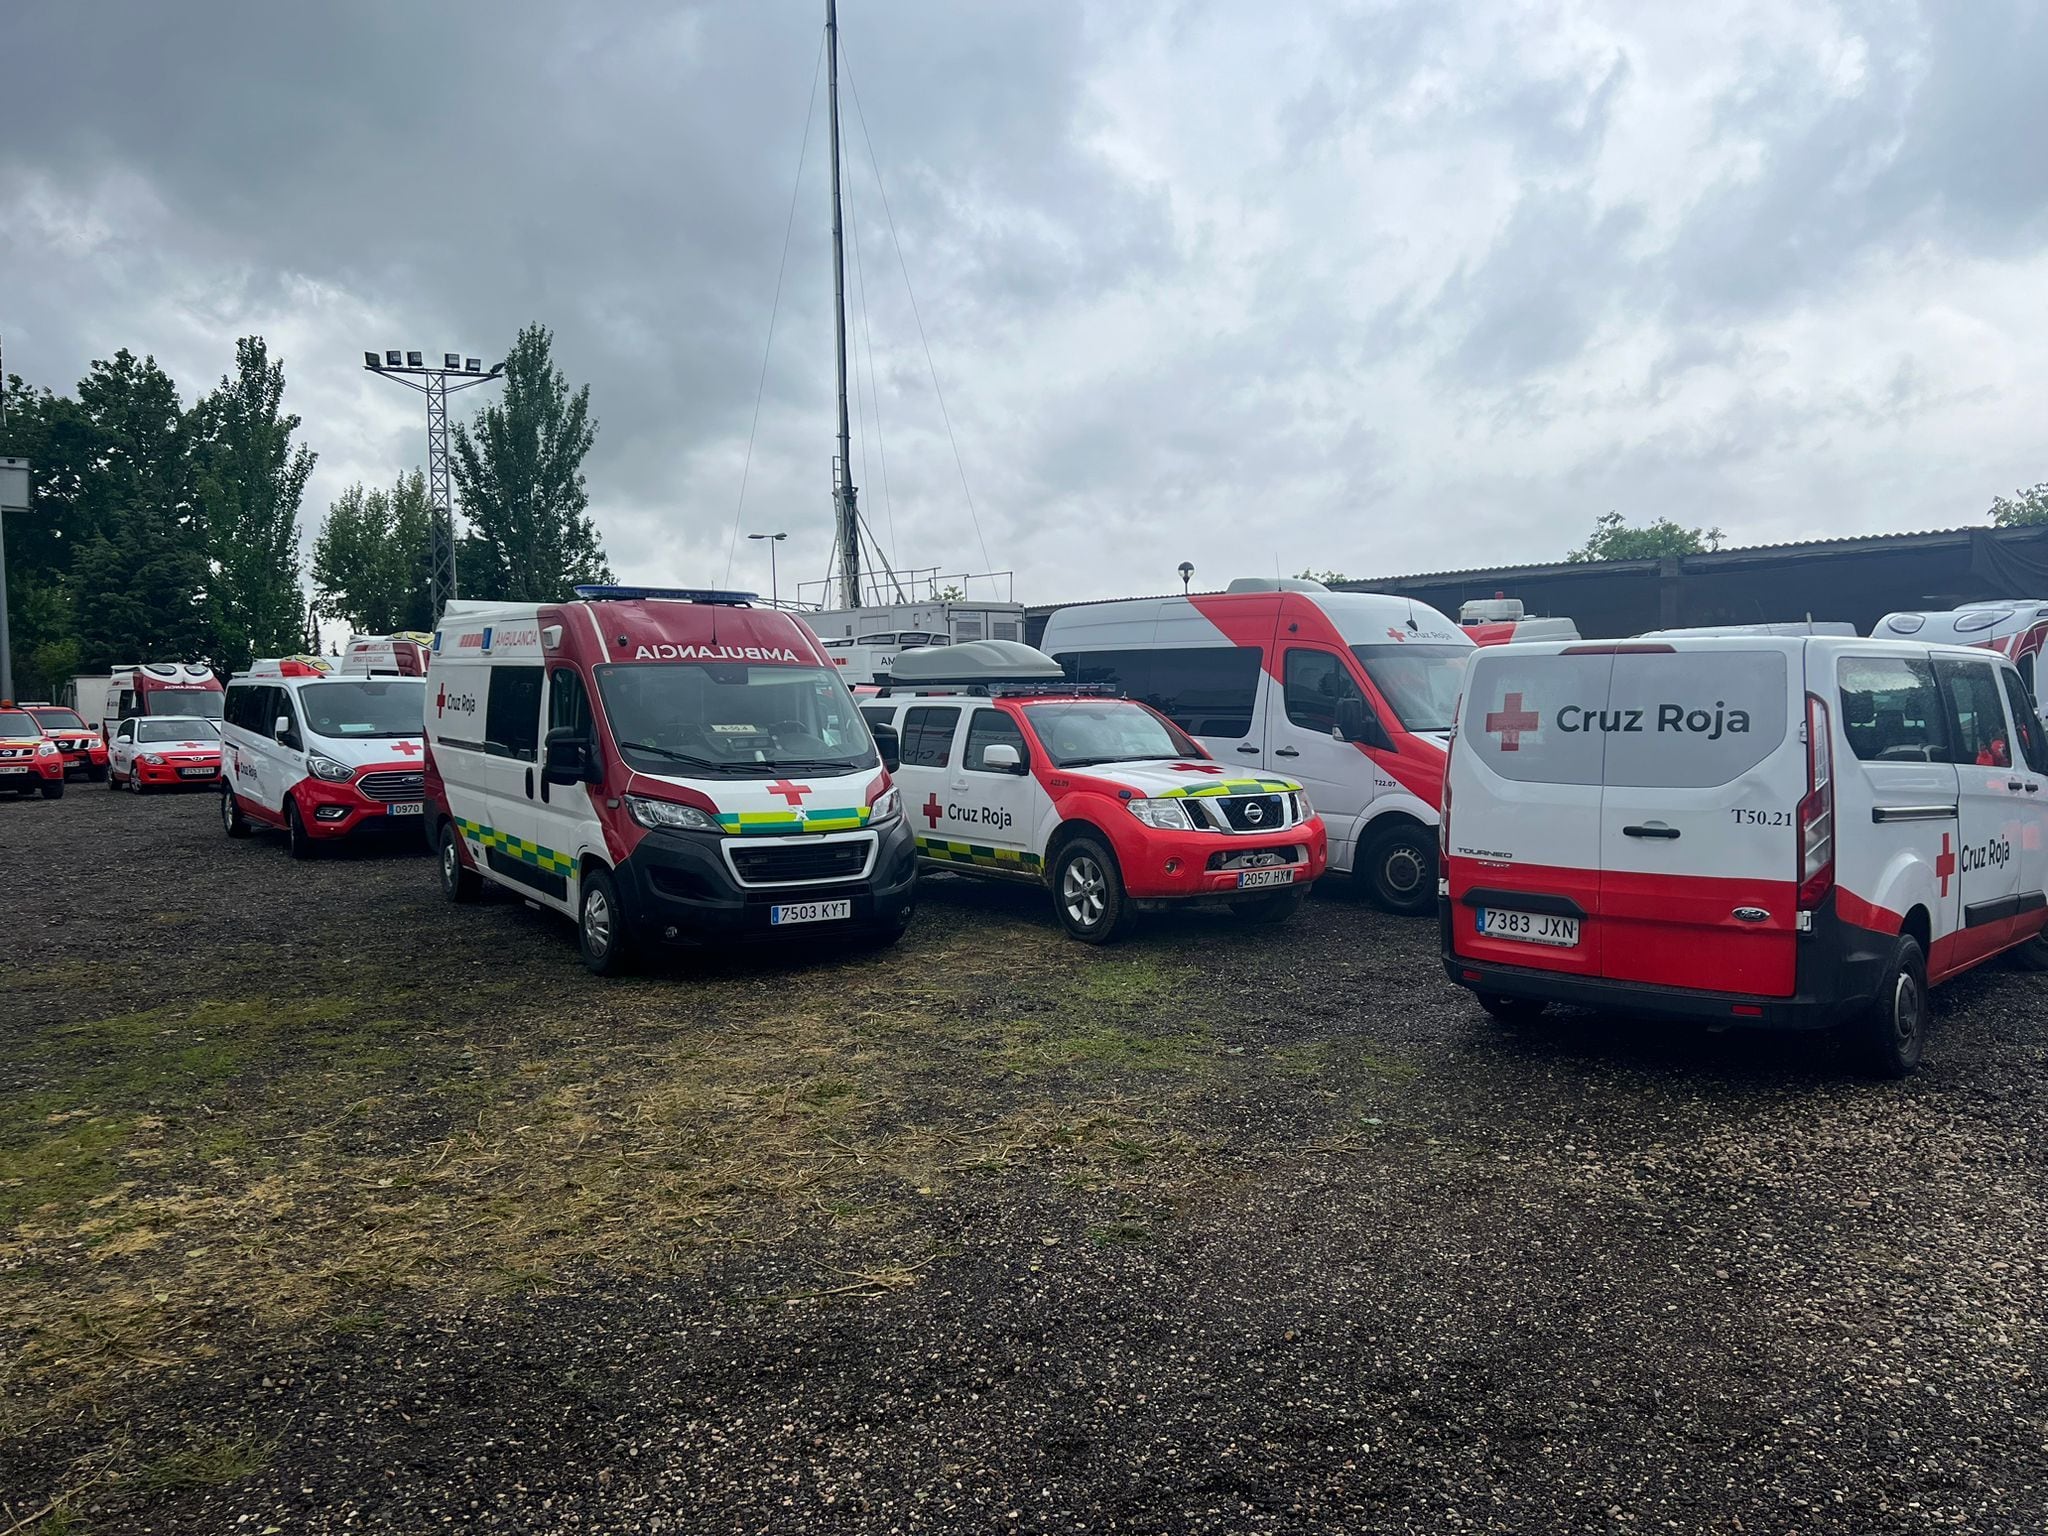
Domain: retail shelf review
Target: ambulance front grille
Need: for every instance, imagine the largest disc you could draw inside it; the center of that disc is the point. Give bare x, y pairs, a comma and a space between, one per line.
796, 863
393, 785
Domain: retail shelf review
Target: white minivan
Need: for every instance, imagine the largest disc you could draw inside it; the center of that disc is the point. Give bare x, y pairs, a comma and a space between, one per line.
1798, 832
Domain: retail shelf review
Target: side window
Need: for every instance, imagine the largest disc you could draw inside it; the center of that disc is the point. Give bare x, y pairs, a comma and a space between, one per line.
879, 714
1976, 714
1315, 682
992, 728
967, 629
928, 736
127, 709
127, 731
512, 713
2025, 723
1891, 710
568, 703
287, 708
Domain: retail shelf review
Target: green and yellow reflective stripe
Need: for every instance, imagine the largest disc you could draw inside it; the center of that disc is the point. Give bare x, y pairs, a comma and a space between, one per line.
825, 819
545, 859
980, 854
1231, 787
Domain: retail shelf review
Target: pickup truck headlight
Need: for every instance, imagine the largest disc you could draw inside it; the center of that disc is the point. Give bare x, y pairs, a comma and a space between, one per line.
46, 749
1302, 809
668, 816
1166, 815
327, 768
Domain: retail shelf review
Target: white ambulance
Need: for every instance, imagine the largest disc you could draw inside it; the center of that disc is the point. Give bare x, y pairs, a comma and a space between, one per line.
1009, 771
663, 766
320, 756
402, 653
1502, 620
1799, 832
1352, 693
2015, 628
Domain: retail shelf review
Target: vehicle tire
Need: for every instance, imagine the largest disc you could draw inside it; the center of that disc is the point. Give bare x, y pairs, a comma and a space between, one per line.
53, 791
1513, 1011
1277, 907
602, 936
2032, 955
232, 821
112, 782
299, 839
1398, 869
459, 883
1088, 892
1892, 1032
135, 782
97, 775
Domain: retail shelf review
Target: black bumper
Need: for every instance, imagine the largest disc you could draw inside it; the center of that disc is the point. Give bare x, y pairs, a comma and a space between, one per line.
1841, 969
680, 890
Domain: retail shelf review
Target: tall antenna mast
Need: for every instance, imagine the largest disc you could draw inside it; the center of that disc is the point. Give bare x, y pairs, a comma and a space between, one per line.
846, 518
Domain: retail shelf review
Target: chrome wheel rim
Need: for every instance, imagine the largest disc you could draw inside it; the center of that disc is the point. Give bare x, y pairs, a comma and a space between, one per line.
451, 866
1084, 891
1402, 870
597, 923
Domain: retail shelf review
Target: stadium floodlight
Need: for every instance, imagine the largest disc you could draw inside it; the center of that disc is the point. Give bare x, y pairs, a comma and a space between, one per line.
414, 360
450, 360
394, 360
371, 360
472, 365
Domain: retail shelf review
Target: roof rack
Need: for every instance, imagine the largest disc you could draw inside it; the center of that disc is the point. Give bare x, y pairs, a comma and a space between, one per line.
608, 594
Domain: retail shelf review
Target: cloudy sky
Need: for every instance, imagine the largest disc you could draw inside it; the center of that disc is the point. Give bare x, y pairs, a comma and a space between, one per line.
1384, 287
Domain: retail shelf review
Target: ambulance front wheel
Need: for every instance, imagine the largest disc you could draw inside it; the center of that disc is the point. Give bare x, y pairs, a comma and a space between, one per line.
1892, 1033
459, 883
602, 932
1398, 867
1088, 892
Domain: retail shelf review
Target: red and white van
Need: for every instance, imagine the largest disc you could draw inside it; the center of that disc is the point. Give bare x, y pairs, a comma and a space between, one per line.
1351, 693
1502, 620
1757, 830
320, 756
29, 759
1008, 771
160, 688
662, 765
400, 654
2016, 628
84, 749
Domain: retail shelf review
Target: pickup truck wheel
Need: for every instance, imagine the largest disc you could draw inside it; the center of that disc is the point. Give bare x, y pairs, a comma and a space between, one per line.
1398, 867
1511, 1010
603, 937
459, 883
53, 791
1892, 1032
1088, 892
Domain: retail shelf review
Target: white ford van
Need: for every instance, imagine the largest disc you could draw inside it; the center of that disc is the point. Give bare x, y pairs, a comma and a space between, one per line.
1800, 832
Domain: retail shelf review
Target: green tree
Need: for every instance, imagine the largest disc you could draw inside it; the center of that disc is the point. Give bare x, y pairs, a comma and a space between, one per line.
372, 560
1612, 539
2021, 509
519, 468
250, 480
1327, 578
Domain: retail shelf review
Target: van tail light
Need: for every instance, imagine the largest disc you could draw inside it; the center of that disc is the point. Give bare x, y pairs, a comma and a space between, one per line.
1817, 810
1443, 815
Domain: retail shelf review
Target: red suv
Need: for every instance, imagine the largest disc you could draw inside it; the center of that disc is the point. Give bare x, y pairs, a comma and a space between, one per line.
29, 760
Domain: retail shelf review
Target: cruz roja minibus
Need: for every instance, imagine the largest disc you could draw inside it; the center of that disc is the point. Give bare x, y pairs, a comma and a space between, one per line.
662, 765
1351, 693
1746, 830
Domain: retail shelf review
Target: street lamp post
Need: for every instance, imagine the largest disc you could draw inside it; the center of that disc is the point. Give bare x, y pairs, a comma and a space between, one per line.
15, 496
774, 592
1187, 570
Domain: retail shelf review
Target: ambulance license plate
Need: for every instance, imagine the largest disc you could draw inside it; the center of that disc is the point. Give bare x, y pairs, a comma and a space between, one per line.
403, 808
1252, 878
1529, 927
809, 912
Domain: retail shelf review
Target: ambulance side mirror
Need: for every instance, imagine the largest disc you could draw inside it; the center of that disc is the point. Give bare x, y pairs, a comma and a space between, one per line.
1001, 757
889, 744
569, 759
1354, 720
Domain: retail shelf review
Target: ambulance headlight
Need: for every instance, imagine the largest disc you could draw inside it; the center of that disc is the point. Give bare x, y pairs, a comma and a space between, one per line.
327, 768
1166, 815
154, 759
887, 808
667, 816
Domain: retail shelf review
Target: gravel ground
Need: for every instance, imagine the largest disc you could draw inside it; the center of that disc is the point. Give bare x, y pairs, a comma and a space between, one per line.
328, 1208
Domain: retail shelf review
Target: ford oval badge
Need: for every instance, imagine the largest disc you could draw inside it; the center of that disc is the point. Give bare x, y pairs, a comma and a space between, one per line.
1751, 915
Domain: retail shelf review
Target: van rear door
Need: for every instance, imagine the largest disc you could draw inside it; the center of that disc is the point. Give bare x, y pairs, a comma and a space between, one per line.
1705, 767
1523, 843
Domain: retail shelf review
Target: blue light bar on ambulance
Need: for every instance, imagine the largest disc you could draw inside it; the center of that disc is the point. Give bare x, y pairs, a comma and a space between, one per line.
682, 594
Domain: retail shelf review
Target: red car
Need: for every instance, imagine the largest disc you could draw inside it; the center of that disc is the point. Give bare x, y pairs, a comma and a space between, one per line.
84, 749
29, 760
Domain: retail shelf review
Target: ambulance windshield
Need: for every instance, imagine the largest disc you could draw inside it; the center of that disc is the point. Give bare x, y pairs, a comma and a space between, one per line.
358, 709
1419, 682
733, 719
1081, 733
185, 701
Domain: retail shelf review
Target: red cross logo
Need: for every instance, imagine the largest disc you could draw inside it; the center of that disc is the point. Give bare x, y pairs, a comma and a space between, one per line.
1395, 633
1196, 767
1510, 720
1945, 865
791, 793
933, 810
441, 700
405, 748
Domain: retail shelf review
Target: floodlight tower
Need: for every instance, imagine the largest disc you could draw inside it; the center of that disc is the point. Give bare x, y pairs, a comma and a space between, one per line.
455, 373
